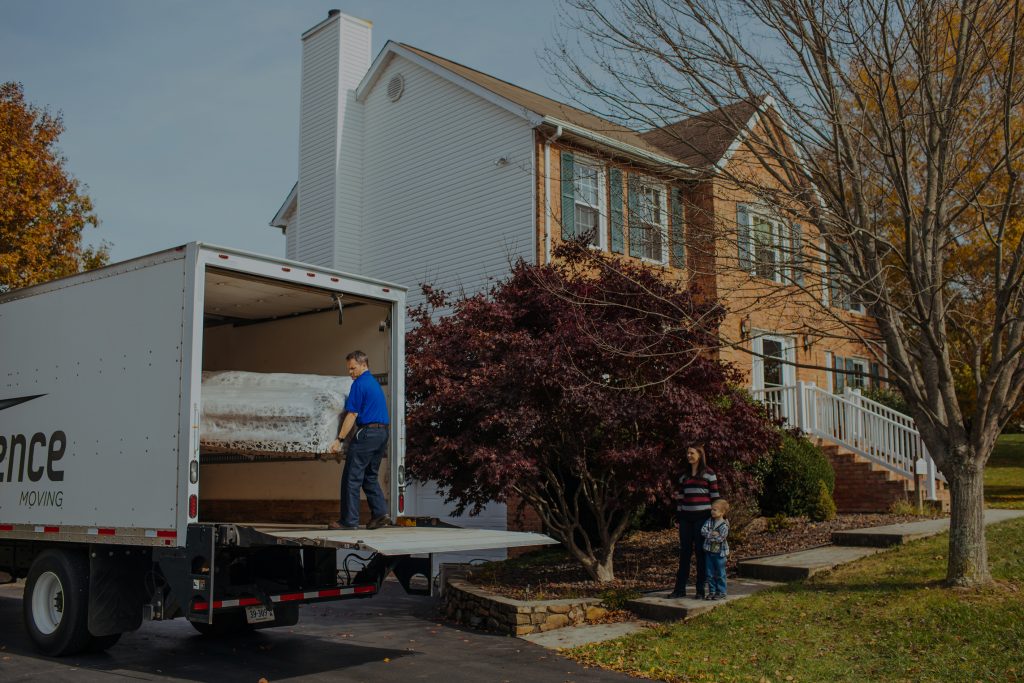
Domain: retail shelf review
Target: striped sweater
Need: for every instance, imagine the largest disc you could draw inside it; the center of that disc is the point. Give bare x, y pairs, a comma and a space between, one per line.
694, 494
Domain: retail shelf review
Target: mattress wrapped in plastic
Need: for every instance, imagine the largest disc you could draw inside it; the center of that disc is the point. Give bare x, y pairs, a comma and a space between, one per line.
253, 413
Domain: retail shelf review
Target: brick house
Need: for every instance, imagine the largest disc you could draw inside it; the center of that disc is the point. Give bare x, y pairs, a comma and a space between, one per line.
414, 168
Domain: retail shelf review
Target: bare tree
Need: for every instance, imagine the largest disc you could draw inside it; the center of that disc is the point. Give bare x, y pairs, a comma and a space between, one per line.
893, 128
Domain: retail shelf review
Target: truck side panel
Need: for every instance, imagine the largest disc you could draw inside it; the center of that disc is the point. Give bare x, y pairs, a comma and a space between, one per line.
90, 380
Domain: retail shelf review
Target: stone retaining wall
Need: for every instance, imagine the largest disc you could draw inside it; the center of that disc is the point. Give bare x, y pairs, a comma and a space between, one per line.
473, 606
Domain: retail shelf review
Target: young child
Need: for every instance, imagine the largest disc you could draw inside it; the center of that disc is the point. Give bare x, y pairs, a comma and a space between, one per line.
716, 548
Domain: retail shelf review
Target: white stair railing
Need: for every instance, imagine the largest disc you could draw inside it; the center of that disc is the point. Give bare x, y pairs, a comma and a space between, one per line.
868, 428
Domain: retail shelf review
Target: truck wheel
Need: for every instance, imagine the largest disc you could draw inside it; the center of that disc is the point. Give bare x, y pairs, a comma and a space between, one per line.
56, 603
224, 625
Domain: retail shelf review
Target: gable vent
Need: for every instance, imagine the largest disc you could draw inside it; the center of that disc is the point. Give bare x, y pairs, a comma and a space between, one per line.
396, 86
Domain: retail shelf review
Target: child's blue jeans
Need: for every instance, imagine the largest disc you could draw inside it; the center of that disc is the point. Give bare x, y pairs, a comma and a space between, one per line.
715, 565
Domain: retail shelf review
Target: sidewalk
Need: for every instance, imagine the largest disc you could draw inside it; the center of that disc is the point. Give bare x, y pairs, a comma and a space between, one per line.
851, 545
759, 574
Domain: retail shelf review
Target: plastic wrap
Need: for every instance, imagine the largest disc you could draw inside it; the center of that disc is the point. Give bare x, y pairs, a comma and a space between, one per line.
254, 413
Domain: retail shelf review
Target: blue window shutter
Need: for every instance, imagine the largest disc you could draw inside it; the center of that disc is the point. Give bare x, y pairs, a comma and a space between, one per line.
568, 197
636, 229
677, 249
743, 237
618, 239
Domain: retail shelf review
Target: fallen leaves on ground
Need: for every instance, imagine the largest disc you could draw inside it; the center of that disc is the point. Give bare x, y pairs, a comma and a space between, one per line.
647, 560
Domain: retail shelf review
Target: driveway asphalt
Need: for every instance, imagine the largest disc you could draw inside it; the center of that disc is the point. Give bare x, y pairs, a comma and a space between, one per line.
391, 637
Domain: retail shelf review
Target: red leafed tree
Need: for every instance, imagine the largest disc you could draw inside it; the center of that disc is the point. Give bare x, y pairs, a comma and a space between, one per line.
575, 386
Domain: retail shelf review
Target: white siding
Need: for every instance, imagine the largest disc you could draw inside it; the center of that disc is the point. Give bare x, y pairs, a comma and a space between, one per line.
437, 207
355, 60
334, 58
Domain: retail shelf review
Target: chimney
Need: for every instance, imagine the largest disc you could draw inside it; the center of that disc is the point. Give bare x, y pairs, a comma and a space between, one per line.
335, 57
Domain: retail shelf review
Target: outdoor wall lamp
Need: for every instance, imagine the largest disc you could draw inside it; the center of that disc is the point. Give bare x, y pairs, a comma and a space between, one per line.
744, 328
807, 343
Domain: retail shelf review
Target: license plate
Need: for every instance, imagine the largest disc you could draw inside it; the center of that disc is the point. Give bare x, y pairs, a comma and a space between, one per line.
259, 613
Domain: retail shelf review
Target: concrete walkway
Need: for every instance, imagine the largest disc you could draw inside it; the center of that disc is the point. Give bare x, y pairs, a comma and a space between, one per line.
759, 574
852, 545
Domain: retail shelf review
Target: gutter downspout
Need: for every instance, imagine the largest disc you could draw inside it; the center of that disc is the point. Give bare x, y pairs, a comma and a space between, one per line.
547, 193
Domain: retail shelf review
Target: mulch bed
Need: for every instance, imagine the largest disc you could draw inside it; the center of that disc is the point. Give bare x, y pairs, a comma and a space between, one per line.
647, 560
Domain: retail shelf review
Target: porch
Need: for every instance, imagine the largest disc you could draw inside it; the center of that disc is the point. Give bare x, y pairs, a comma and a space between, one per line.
866, 428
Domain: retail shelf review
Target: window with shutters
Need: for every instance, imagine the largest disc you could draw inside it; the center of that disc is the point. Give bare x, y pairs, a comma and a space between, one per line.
651, 224
842, 293
769, 247
588, 195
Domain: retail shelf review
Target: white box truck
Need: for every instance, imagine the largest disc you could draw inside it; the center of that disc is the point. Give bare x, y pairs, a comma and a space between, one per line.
109, 507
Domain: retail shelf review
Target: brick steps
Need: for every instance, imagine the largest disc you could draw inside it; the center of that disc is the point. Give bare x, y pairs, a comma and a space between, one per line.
863, 486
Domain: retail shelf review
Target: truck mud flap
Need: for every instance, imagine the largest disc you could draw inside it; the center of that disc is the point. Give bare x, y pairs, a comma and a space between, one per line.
117, 591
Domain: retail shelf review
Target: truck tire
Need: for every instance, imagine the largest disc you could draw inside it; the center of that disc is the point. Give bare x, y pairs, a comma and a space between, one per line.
56, 603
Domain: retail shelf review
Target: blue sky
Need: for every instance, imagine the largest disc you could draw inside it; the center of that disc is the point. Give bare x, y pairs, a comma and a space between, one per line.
182, 116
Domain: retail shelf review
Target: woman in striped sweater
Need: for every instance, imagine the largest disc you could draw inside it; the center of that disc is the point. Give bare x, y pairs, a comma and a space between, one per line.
696, 489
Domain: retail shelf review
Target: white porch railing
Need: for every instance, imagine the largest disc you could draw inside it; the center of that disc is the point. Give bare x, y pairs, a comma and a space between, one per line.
865, 427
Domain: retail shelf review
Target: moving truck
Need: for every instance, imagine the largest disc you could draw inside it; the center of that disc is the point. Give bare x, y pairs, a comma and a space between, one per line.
112, 509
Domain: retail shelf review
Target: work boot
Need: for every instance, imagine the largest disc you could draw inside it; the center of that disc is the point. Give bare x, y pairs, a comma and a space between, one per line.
378, 522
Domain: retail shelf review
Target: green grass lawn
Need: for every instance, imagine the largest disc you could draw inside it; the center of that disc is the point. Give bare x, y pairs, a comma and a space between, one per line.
1004, 476
883, 618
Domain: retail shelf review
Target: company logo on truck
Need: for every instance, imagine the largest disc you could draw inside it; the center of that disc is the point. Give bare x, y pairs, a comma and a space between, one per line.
33, 457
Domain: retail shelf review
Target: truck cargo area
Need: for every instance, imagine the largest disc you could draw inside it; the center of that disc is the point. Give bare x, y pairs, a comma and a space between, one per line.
260, 325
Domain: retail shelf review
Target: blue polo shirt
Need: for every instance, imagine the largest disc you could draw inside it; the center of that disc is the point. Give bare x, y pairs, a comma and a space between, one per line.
366, 400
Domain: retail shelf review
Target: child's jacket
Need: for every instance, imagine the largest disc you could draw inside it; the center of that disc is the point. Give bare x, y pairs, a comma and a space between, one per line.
715, 533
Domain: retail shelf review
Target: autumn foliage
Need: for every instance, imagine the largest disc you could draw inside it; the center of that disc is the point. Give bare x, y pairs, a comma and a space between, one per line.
43, 209
575, 387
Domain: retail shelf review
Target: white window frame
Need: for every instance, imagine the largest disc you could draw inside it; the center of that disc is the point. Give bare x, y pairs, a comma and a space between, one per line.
602, 198
651, 184
781, 243
788, 358
864, 375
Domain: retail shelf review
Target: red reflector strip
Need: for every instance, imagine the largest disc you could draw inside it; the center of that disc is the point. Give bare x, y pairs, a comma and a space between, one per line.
311, 274
223, 256
287, 270
286, 597
166, 534
51, 529
102, 532
6, 527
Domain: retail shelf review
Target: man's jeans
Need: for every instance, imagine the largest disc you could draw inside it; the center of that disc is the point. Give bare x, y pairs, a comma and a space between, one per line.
716, 572
361, 466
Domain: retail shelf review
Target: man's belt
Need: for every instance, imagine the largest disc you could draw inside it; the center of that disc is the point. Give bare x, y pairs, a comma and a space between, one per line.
372, 424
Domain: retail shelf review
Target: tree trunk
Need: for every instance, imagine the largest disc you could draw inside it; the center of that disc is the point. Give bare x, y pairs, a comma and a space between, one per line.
598, 565
603, 570
968, 554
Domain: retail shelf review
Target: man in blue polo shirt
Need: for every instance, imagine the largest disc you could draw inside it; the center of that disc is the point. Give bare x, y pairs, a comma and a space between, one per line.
367, 413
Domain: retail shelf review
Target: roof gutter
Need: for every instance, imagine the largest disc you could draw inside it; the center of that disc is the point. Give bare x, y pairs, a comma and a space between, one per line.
625, 148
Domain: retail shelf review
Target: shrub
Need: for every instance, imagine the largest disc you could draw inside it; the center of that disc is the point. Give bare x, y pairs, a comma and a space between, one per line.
823, 508
616, 598
779, 522
792, 475
742, 512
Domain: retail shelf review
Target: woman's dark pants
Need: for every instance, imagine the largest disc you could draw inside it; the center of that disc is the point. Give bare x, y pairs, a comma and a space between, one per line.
691, 543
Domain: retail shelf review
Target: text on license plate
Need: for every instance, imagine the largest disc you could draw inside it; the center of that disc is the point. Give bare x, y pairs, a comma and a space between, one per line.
259, 613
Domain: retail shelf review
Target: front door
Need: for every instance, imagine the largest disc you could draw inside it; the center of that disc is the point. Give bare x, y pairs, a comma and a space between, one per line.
772, 370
